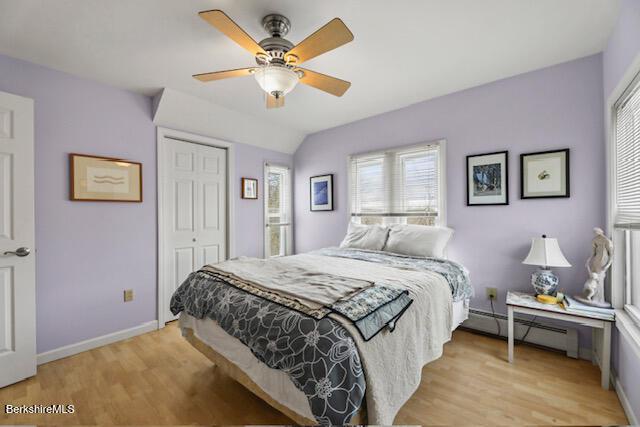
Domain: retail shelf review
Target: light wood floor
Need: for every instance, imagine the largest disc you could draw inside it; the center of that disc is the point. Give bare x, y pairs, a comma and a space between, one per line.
157, 378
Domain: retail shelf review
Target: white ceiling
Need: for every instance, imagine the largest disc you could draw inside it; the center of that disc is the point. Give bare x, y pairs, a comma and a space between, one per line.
405, 51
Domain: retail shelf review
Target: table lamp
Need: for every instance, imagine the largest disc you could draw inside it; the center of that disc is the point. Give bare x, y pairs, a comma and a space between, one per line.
545, 252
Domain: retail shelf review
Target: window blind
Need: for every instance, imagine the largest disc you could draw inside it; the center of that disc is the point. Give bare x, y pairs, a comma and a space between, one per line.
396, 183
627, 158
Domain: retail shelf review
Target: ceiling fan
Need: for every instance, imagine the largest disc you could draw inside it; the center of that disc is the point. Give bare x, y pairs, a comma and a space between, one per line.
278, 70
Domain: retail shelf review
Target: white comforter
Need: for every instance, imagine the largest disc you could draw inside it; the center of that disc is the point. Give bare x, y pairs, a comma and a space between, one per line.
393, 361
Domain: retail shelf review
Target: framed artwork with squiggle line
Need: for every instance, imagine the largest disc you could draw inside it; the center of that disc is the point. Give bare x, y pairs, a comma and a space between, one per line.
104, 179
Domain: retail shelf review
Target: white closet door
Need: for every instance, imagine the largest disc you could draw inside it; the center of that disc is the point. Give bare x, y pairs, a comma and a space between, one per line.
17, 258
194, 210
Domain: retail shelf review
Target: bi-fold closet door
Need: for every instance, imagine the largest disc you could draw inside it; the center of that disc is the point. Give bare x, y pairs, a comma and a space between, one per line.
194, 210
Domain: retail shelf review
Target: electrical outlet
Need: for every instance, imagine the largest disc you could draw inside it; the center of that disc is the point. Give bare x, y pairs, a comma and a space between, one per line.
492, 293
128, 295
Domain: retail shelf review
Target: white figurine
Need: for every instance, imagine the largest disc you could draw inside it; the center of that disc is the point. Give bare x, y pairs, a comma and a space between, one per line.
597, 265
591, 287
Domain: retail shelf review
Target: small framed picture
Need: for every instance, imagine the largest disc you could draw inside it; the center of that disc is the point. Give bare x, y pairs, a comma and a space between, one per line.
321, 190
104, 179
544, 174
249, 188
488, 179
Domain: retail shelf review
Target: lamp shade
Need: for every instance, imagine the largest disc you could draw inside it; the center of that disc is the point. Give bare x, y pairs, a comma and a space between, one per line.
546, 252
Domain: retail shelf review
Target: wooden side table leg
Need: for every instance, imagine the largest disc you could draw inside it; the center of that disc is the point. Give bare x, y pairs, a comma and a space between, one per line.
510, 323
606, 355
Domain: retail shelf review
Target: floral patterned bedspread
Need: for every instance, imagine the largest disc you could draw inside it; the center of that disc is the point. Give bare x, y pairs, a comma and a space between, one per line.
319, 355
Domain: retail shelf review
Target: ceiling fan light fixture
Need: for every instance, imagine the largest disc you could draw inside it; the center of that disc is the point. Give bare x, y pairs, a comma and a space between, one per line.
278, 60
276, 79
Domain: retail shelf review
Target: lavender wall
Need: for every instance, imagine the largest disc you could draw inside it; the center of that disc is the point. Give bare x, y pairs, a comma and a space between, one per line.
88, 253
623, 48
557, 107
250, 213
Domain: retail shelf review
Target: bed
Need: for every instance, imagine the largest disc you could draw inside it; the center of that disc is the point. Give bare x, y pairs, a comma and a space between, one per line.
325, 366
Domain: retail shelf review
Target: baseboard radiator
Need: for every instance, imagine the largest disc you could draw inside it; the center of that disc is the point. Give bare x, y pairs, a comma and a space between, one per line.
559, 338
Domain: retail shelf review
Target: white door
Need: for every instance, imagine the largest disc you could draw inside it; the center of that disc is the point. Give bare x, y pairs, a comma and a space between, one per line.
194, 211
17, 260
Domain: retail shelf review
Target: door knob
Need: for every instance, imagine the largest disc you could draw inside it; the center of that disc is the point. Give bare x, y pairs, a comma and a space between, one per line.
21, 252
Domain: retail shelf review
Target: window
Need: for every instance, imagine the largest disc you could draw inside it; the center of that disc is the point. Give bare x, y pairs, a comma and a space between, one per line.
402, 186
626, 195
277, 210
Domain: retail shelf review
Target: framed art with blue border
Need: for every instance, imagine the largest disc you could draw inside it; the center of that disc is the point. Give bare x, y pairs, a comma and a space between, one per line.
321, 193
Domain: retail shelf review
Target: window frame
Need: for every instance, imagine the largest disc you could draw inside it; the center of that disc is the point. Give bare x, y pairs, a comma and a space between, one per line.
627, 319
441, 144
288, 242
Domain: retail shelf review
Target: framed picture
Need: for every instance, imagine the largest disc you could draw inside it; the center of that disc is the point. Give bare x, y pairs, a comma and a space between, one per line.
544, 174
321, 191
488, 179
104, 179
249, 188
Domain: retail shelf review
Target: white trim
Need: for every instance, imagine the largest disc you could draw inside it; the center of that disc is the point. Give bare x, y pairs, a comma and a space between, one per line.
624, 400
617, 290
163, 133
265, 207
70, 350
265, 165
629, 330
442, 185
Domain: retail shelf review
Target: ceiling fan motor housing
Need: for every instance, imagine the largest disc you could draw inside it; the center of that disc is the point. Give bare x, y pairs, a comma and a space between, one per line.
276, 25
276, 45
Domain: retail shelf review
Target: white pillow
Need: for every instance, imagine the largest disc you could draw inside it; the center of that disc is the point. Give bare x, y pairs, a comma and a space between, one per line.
371, 237
418, 240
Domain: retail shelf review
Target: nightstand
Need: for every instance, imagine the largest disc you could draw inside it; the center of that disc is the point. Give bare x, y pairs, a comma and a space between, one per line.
519, 302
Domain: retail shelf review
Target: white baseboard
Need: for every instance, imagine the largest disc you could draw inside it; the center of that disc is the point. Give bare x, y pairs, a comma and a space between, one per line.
70, 350
624, 401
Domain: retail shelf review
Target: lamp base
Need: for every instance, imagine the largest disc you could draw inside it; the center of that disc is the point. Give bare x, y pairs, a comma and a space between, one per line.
544, 282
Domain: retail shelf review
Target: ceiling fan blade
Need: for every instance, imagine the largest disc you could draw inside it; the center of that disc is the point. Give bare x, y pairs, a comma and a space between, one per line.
329, 84
219, 75
334, 34
224, 24
273, 102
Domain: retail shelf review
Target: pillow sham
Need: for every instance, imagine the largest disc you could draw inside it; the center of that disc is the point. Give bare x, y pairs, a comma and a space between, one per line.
371, 237
418, 240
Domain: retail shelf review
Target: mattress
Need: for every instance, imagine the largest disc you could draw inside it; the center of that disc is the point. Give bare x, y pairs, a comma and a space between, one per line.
274, 382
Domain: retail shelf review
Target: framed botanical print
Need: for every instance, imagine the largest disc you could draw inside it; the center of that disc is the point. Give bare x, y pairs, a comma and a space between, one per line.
488, 179
544, 174
321, 190
249, 188
104, 179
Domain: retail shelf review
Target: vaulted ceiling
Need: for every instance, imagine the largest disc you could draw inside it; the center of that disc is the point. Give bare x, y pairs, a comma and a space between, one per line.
405, 51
